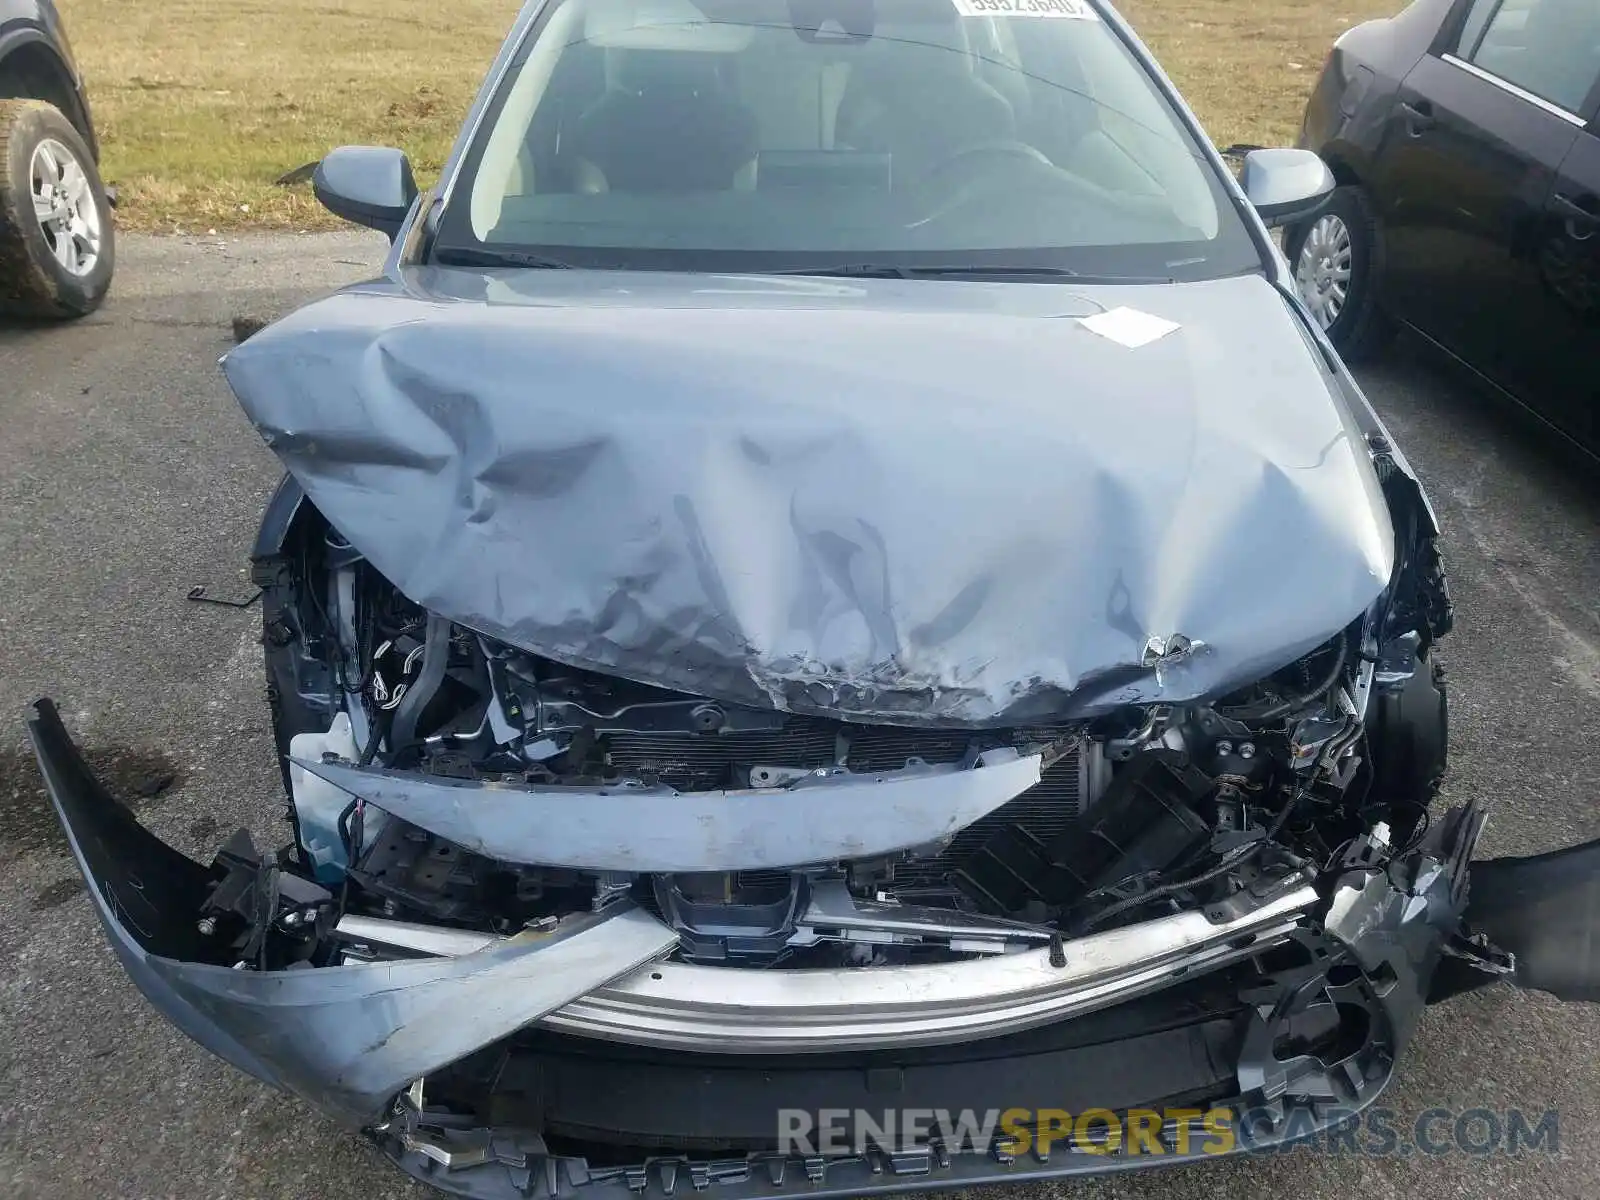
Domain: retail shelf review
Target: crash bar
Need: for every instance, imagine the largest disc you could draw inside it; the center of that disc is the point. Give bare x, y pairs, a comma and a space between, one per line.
741, 1011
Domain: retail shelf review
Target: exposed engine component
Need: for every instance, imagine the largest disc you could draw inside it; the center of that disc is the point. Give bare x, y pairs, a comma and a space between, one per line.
1138, 813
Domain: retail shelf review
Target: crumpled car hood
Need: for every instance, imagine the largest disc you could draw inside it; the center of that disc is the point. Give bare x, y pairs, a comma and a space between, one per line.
912, 502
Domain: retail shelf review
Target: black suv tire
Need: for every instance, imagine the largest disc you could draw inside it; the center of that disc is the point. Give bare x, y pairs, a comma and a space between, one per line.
50, 266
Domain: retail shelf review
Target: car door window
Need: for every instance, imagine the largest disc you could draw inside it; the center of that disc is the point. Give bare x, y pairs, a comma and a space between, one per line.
1548, 48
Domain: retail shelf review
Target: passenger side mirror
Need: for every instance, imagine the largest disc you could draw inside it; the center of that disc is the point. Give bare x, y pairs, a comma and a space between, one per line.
1286, 185
370, 185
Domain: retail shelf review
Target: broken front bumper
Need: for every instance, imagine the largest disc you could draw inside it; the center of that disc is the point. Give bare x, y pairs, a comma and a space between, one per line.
1178, 1009
348, 1038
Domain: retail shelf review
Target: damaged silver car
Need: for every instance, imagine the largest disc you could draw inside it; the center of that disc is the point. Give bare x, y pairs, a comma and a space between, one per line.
833, 571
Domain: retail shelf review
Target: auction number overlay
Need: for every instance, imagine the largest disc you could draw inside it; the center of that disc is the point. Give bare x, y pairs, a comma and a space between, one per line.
1069, 10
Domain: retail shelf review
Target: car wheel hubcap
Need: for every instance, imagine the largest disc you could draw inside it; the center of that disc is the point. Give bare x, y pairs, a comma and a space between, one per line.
1322, 271
64, 205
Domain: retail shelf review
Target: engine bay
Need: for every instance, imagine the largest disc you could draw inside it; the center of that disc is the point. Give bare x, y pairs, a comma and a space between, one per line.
1141, 812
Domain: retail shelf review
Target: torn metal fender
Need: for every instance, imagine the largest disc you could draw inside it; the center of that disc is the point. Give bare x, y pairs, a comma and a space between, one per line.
345, 1038
823, 818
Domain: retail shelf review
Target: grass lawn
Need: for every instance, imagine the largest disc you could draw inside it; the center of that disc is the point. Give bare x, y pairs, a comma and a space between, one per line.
202, 104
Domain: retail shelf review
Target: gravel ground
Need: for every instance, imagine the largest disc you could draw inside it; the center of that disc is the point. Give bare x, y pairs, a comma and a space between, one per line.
127, 476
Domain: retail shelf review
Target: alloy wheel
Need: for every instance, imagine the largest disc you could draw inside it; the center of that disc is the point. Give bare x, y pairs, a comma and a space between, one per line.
65, 207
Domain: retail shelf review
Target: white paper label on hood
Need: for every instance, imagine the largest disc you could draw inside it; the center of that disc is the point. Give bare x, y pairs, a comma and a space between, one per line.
1070, 10
1129, 327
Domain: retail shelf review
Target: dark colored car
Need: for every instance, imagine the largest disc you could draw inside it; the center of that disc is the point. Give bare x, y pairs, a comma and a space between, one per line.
57, 244
835, 625
1465, 136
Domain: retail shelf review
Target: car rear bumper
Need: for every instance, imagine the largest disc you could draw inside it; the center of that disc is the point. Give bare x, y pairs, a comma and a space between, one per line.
1190, 1023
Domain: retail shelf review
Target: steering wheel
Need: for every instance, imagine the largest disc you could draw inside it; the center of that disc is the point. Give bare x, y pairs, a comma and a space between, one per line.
965, 163
957, 181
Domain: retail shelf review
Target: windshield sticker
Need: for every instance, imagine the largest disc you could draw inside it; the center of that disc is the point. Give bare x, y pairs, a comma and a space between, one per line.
1129, 327
1070, 10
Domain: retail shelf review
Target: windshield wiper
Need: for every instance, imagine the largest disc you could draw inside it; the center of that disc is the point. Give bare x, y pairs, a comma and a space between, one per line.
461, 256
886, 271
469, 257
964, 270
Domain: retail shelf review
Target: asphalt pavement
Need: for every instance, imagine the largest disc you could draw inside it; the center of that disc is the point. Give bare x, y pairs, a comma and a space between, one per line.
128, 476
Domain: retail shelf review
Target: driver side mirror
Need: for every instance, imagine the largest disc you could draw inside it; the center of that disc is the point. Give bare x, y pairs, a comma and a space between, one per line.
1286, 186
370, 185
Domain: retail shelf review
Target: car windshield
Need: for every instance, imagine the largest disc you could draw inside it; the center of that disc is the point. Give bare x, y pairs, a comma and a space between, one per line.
862, 136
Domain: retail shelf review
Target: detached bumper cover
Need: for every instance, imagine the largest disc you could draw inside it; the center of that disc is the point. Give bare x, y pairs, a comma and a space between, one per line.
345, 1038
1545, 912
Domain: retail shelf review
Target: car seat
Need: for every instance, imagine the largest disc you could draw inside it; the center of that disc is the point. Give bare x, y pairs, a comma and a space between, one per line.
668, 124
